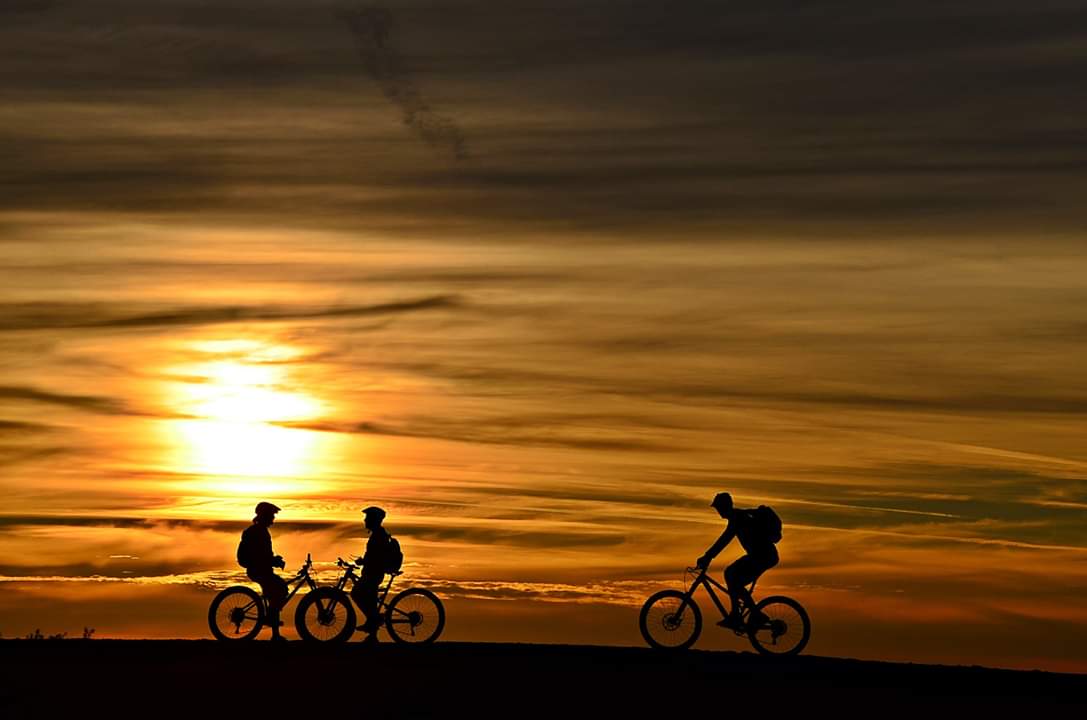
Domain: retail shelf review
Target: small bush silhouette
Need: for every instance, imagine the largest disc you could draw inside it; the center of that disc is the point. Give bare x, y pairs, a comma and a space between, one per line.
37, 635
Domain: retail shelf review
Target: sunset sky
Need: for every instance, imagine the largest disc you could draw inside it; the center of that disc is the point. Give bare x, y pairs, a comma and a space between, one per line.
540, 279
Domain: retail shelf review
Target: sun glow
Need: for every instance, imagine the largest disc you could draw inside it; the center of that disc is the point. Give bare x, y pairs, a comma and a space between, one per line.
231, 409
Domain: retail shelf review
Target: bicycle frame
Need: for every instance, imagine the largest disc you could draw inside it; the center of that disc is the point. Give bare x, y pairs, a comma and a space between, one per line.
300, 579
349, 574
383, 593
709, 583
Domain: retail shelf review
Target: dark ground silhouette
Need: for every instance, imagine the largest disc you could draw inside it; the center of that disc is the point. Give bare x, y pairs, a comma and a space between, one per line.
206, 679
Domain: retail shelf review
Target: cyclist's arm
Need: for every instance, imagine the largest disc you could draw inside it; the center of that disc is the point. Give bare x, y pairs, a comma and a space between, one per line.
717, 547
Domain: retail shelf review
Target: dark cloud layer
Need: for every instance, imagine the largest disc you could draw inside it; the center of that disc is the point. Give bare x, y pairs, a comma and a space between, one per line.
586, 432
371, 26
590, 115
59, 316
88, 403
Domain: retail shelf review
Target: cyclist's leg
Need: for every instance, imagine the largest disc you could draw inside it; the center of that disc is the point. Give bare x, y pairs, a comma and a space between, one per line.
275, 592
365, 596
745, 571
737, 576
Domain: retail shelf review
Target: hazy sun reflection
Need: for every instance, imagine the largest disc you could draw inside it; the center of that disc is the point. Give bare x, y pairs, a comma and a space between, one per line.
231, 406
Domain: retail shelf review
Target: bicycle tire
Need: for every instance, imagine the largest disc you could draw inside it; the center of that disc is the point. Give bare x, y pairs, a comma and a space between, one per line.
416, 616
661, 627
232, 610
325, 615
788, 621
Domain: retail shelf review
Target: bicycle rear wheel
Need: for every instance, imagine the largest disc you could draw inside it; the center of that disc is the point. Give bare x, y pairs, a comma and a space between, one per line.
786, 629
236, 613
670, 621
415, 616
325, 615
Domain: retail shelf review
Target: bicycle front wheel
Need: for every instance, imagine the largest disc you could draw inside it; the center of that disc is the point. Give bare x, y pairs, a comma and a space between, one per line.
786, 629
236, 613
670, 621
415, 616
325, 615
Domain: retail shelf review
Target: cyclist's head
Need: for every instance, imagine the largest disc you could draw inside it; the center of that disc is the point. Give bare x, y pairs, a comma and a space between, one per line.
265, 511
722, 502
373, 516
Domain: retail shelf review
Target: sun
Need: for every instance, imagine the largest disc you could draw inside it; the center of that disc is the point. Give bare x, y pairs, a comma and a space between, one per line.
231, 413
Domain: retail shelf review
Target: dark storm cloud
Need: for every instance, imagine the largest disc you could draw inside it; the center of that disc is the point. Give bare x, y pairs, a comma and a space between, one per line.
57, 316
595, 114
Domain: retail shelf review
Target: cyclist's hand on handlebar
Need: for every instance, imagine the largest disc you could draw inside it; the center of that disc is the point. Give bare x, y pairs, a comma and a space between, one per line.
358, 561
702, 563
279, 562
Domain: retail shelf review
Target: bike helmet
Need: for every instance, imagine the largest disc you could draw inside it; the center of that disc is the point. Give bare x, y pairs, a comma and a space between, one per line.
722, 501
265, 508
375, 511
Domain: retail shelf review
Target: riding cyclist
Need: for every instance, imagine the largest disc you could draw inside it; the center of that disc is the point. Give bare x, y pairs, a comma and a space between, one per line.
374, 565
757, 529
256, 556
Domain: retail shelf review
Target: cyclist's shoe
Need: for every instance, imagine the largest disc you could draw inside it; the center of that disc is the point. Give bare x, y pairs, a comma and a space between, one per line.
729, 623
370, 639
757, 619
278, 638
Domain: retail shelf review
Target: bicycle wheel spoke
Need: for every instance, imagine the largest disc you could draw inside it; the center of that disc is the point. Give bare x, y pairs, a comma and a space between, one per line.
415, 616
325, 615
785, 630
669, 620
235, 614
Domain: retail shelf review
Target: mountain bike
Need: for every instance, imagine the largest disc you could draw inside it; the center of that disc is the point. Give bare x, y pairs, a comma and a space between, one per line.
327, 614
672, 620
239, 612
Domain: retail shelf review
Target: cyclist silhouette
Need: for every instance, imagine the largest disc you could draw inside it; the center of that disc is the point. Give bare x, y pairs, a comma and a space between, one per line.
374, 564
256, 556
761, 555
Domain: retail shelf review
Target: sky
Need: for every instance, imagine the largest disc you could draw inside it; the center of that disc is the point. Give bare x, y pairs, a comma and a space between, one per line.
540, 279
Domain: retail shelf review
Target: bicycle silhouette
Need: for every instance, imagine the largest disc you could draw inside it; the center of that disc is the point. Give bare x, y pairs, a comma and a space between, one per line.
239, 612
326, 614
672, 620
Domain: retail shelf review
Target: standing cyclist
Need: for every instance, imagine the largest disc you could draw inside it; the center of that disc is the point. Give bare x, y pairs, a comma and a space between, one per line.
374, 564
757, 536
256, 556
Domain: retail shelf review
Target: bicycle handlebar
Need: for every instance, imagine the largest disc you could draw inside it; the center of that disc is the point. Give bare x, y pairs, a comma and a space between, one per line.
347, 565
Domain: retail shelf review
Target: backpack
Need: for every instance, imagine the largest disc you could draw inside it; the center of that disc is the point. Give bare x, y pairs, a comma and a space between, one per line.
243, 553
768, 523
395, 556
